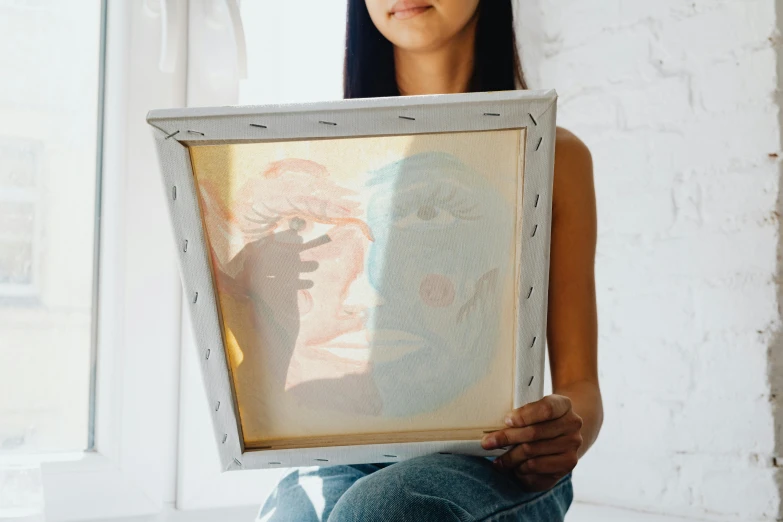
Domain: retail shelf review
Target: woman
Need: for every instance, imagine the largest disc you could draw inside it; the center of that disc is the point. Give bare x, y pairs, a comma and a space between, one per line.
413, 47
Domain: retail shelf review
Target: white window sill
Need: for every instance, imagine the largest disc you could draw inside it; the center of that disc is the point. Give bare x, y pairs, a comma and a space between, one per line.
169, 514
580, 512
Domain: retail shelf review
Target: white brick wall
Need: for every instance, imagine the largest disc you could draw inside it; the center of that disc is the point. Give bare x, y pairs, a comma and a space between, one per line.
676, 100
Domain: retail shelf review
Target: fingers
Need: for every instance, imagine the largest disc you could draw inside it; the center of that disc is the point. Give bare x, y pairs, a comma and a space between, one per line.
304, 267
322, 240
538, 482
510, 436
308, 266
541, 431
303, 284
551, 464
549, 408
533, 450
546, 436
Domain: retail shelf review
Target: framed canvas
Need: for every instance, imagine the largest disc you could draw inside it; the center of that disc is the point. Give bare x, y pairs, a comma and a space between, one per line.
367, 279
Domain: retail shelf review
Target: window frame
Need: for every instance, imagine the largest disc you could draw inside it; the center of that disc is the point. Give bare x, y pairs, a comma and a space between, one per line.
201, 483
131, 468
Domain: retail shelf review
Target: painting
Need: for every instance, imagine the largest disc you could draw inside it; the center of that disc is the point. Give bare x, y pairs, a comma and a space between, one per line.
365, 285
365, 280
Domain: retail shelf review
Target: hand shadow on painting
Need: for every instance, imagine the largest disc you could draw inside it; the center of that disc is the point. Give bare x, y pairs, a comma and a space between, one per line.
377, 301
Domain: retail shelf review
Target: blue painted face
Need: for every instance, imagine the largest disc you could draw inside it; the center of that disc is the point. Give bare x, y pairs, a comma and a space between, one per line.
442, 249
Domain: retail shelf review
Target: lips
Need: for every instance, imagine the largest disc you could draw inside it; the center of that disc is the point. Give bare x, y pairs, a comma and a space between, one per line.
405, 9
386, 346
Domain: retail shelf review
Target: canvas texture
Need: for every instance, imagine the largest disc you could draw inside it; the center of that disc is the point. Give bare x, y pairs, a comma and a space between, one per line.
365, 284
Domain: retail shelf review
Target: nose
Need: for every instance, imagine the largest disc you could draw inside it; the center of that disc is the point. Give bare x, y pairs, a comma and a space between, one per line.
361, 296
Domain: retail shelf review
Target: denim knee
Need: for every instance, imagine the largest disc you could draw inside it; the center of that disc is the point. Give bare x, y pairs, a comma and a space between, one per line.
449, 488
400, 492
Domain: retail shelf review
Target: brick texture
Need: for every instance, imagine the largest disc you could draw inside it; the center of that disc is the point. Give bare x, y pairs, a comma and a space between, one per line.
678, 103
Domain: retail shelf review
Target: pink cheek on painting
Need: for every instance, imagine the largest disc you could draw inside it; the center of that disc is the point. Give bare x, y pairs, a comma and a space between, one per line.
436, 290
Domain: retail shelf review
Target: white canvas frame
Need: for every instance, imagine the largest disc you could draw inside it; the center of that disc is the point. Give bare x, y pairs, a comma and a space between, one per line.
176, 129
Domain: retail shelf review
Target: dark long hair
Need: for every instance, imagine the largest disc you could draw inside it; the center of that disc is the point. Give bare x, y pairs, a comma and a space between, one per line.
369, 56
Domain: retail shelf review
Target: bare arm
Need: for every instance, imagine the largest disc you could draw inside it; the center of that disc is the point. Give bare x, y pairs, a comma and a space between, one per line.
572, 324
549, 436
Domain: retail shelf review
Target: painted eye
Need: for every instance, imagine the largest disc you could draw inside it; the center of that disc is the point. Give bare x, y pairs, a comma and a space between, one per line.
426, 215
427, 212
297, 224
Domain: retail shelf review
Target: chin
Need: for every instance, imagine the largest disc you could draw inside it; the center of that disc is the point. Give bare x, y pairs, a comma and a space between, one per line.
417, 34
414, 40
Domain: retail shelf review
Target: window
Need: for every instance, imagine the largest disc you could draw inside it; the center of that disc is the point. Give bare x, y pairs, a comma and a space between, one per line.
49, 137
20, 161
146, 448
49, 134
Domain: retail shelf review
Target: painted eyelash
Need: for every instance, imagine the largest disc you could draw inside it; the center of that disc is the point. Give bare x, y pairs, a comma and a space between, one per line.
269, 222
448, 201
275, 214
485, 284
319, 216
459, 209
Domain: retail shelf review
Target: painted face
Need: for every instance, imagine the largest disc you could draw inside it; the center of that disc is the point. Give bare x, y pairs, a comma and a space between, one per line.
332, 340
421, 25
442, 246
362, 316
311, 298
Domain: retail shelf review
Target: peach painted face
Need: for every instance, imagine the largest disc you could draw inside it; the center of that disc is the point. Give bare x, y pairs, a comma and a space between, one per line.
332, 340
421, 25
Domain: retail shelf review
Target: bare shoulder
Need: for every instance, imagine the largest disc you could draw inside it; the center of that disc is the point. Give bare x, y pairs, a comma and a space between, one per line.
574, 190
571, 152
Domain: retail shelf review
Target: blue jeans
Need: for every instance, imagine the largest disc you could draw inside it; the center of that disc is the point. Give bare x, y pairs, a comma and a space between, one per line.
435, 487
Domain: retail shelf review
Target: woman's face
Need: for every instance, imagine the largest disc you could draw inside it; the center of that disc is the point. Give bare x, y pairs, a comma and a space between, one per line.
421, 25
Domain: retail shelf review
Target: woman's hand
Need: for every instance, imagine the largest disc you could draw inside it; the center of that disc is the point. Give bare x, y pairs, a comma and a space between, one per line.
546, 436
